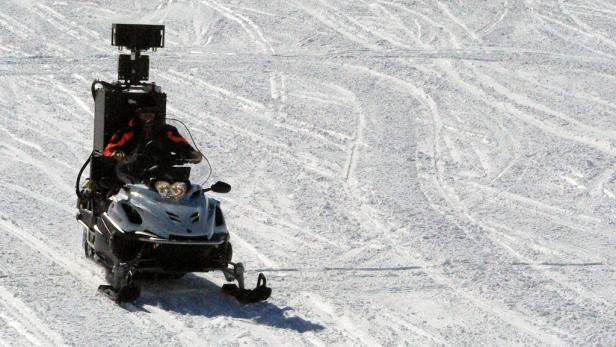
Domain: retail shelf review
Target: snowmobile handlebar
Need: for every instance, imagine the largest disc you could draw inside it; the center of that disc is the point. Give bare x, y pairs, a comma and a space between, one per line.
176, 160
137, 166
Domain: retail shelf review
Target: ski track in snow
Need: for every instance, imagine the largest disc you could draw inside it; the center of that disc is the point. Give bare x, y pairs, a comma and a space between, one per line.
21, 318
438, 173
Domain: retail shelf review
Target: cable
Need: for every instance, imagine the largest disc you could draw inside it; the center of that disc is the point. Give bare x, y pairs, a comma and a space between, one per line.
197, 148
79, 176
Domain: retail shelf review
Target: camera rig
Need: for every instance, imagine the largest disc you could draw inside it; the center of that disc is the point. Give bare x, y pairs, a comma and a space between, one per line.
134, 67
116, 103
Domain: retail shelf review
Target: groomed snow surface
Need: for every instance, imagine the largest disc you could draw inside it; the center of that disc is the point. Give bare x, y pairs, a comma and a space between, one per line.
404, 172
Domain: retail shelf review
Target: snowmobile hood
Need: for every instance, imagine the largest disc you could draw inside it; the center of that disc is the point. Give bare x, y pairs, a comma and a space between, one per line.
138, 208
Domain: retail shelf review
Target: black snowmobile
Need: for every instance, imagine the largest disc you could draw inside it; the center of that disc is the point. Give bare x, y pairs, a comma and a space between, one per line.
153, 220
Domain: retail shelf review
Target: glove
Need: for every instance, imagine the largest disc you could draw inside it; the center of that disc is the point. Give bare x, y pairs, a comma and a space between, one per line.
119, 155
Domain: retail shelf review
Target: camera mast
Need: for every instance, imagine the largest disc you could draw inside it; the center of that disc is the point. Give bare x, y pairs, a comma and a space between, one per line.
134, 68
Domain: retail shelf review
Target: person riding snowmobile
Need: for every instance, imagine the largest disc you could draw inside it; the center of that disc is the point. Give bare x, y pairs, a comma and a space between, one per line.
143, 131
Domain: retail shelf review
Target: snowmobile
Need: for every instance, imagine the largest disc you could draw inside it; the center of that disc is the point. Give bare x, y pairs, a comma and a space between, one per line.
151, 220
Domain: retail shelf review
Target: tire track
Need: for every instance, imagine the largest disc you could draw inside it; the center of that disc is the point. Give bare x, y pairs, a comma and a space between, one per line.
587, 28
351, 30
304, 159
490, 27
283, 153
555, 277
505, 315
61, 19
253, 30
18, 155
85, 273
23, 319
63, 27
532, 328
513, 318
43, 134
349, 172
281, 222
255, 108
437, 126
344, 321
545, 19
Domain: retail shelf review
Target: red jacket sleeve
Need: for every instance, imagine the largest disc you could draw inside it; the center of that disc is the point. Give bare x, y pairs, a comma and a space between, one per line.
117, 142
177, 141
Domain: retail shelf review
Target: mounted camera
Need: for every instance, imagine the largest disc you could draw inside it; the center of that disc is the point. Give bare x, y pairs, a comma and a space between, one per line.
134, 67
116, 103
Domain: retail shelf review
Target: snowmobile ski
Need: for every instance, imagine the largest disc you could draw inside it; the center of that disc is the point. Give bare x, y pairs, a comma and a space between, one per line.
122, 295
247, 296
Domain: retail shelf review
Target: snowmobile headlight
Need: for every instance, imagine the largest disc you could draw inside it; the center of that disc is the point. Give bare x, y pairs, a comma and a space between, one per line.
178, 189
173, 191
163, 188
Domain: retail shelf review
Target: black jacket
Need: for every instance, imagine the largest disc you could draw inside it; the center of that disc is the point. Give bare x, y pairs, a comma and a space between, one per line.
135, 136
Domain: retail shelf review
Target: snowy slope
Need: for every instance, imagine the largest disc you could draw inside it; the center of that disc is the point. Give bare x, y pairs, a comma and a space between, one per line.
405, 172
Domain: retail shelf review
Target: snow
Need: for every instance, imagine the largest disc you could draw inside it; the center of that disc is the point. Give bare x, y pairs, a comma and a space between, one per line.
405, 173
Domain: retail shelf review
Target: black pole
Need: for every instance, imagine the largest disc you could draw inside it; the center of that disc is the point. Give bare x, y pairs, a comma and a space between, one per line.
135, 55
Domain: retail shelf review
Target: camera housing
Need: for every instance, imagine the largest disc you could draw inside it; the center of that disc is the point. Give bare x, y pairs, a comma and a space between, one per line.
134, 67
138, 36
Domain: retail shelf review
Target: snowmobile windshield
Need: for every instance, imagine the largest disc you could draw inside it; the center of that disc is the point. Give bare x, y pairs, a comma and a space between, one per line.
171, 157
203, 170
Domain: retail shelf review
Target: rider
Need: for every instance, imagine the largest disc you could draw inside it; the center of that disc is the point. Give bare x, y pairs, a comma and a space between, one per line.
143, 130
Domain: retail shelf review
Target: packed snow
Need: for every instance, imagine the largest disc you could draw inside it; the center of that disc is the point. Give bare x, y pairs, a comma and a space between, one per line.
404, 172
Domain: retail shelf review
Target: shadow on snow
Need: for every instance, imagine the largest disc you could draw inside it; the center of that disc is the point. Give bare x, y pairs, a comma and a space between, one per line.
197, 296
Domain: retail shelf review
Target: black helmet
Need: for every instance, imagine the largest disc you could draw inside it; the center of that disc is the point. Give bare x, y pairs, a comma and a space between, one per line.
146, 109
147, 105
